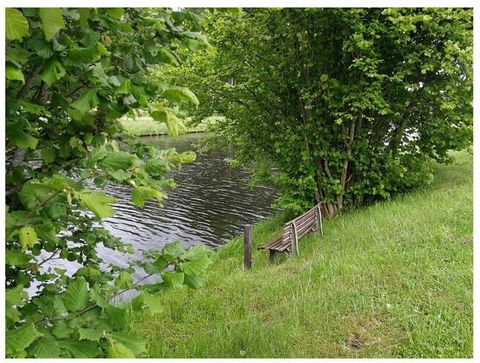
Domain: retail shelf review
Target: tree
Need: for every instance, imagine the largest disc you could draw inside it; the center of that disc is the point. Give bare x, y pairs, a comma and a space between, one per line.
71, 74
339, 106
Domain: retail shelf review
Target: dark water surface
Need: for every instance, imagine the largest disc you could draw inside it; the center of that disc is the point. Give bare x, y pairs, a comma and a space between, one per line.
211, 204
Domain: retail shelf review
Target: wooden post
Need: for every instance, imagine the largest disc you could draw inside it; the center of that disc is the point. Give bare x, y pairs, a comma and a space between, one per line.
319, 216
295, 251
247, 241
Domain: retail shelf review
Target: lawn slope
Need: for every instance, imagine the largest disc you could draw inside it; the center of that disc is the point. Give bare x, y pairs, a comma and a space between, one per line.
390, 280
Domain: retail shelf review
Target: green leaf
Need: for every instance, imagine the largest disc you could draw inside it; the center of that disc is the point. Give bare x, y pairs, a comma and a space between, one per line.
45, 348
53, 72
84, 55
14, 74
16, 25
85, 103
115, 13
123, 280
118, 350
137, 345
20, 138
76, 296
194, 282
52, 21
98, 203
17, 55
172, 251
84, 16
33, 108
82, 349
165, 56
28, 237
140, 194
48, 155
93, 334
33, 193
16, 296
198, 266
116, 317
173, 279
154, 302
120, 160
16, 258
19, 339
61, 329
180, 95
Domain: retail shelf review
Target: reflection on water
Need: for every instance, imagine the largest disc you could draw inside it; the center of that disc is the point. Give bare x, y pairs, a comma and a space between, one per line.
210, 205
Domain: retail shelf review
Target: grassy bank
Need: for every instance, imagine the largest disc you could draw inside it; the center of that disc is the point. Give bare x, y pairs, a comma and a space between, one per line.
390, 280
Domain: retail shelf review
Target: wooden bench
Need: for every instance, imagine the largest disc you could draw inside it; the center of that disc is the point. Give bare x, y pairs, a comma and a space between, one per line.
294, 230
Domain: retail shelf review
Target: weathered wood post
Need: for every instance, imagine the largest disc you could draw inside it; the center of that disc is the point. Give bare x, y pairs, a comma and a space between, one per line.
319, 216
247, 246
294, 234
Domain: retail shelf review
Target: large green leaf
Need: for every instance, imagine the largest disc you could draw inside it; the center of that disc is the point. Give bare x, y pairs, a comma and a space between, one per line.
76, 296
134, 344
53, 72
16, 295
82, 349
123, 280
98, 203
174, 124
115, 12
166, 56
120, 160
17, 136
84, 16
197, 266
19, 339
13, 73
173, 279
85, 103
28, 237
172, 251
33, 193
14, 298
154, 302
48, 155
52, 21
140, 194
93, 334
16, 258
180, 95
16, 25
17, 55
45, 348
118, 350
194, 282
116, 317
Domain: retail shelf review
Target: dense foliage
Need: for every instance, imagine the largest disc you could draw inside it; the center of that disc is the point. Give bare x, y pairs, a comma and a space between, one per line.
344, 105
71, 73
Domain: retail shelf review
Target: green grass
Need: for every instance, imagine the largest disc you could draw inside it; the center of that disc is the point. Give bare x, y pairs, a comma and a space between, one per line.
390, 280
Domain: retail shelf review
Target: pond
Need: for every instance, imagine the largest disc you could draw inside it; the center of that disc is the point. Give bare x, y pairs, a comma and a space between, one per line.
210, 204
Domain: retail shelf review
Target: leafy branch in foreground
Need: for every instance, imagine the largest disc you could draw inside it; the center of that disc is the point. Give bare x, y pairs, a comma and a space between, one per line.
71, 74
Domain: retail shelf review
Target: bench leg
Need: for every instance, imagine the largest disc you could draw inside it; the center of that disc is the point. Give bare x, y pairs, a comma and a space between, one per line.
270, 255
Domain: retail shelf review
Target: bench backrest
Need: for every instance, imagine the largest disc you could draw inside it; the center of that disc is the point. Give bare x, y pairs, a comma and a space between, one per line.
297, 228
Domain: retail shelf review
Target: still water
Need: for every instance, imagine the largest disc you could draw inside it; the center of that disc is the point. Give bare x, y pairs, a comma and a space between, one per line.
210, 204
